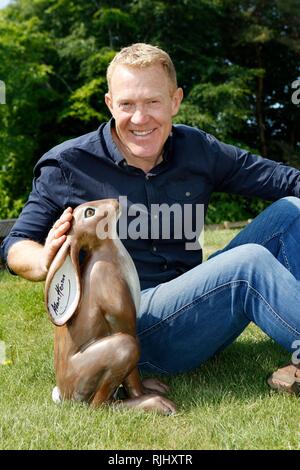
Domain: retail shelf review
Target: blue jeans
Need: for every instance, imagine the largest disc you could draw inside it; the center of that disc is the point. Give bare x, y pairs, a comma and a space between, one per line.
255, 278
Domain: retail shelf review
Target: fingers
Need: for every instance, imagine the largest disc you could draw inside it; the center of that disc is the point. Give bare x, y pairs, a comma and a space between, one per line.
65, 217
61, 226
57, 242
56, 237
61, 229
57, 234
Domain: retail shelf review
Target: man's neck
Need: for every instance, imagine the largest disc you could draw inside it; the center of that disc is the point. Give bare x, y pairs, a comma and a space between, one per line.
144, 164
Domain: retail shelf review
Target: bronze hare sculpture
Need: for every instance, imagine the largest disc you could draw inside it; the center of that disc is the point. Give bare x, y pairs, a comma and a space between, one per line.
94, 308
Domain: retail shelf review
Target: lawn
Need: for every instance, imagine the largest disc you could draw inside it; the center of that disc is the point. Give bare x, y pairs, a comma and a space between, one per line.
224, 404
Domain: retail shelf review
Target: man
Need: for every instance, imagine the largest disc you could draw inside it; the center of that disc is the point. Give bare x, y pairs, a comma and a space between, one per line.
189, 310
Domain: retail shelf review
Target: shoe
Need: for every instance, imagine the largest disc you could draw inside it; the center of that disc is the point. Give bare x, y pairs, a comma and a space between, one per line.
286, 380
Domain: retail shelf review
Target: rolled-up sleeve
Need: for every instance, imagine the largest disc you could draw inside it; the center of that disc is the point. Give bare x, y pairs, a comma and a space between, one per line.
47, 200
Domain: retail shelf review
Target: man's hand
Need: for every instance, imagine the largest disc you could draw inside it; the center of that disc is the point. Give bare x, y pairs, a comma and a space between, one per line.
32, 260
56, 238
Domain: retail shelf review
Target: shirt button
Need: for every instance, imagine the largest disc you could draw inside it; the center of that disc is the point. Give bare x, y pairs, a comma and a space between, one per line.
165, 267
154, 248
187, 193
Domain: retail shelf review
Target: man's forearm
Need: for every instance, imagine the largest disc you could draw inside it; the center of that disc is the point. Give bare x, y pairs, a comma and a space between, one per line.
25, 258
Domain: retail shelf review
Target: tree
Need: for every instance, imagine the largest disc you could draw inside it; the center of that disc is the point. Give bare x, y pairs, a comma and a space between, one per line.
236, 61
26, 78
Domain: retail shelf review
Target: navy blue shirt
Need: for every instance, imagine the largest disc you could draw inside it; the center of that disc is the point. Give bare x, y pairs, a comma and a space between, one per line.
194, 165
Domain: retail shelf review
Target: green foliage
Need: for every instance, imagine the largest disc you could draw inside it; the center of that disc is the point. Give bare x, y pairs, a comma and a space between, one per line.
235, 60
221, 107
26, 78
230, 207
81, 101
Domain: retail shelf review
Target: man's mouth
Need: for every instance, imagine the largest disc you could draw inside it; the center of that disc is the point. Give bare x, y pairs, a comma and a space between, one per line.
142, 133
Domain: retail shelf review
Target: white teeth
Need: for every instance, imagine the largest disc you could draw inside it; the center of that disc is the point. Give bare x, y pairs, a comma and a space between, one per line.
141, 133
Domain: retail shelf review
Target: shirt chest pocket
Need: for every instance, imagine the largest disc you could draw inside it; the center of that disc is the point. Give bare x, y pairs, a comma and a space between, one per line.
186, 201
186, 191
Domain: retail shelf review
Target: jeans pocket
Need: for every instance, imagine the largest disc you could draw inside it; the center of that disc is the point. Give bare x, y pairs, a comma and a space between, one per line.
152, 368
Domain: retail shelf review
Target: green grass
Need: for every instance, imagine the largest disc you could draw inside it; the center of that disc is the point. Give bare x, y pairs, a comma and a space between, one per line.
225, 404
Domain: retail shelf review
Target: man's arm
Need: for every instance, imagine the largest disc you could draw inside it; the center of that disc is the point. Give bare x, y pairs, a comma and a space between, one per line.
32, 244
241, 172
32, 260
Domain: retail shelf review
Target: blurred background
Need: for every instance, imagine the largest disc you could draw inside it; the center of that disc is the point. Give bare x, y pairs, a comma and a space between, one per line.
236, 61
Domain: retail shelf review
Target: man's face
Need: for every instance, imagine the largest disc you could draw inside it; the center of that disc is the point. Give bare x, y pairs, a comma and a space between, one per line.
142, 103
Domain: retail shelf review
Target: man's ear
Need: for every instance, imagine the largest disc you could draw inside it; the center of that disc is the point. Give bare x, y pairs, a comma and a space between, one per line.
108, 102
176, 101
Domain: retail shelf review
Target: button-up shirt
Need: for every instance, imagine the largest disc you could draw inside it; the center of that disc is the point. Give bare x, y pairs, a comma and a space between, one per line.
194, 165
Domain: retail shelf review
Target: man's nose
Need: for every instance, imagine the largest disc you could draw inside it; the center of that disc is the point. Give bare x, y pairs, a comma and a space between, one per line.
140, 116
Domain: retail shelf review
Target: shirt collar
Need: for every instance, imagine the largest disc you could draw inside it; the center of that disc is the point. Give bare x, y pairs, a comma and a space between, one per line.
115, 153
110, 143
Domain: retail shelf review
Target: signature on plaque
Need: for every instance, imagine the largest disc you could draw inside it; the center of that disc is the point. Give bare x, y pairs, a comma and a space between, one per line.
60, 288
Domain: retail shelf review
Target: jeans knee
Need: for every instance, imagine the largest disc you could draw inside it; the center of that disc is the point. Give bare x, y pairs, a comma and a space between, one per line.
287, 204
251, 250
253, 254
252, 263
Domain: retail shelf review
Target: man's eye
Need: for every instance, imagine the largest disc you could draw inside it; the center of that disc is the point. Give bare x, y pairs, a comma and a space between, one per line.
154, 103
89, 212
126, 105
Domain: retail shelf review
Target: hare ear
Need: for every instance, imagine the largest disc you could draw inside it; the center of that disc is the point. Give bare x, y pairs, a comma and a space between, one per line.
63, 288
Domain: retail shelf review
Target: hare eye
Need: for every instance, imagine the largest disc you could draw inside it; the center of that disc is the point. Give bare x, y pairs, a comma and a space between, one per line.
89, 212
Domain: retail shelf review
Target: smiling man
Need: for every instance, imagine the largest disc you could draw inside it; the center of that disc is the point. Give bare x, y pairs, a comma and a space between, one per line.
142, 102
189, 310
